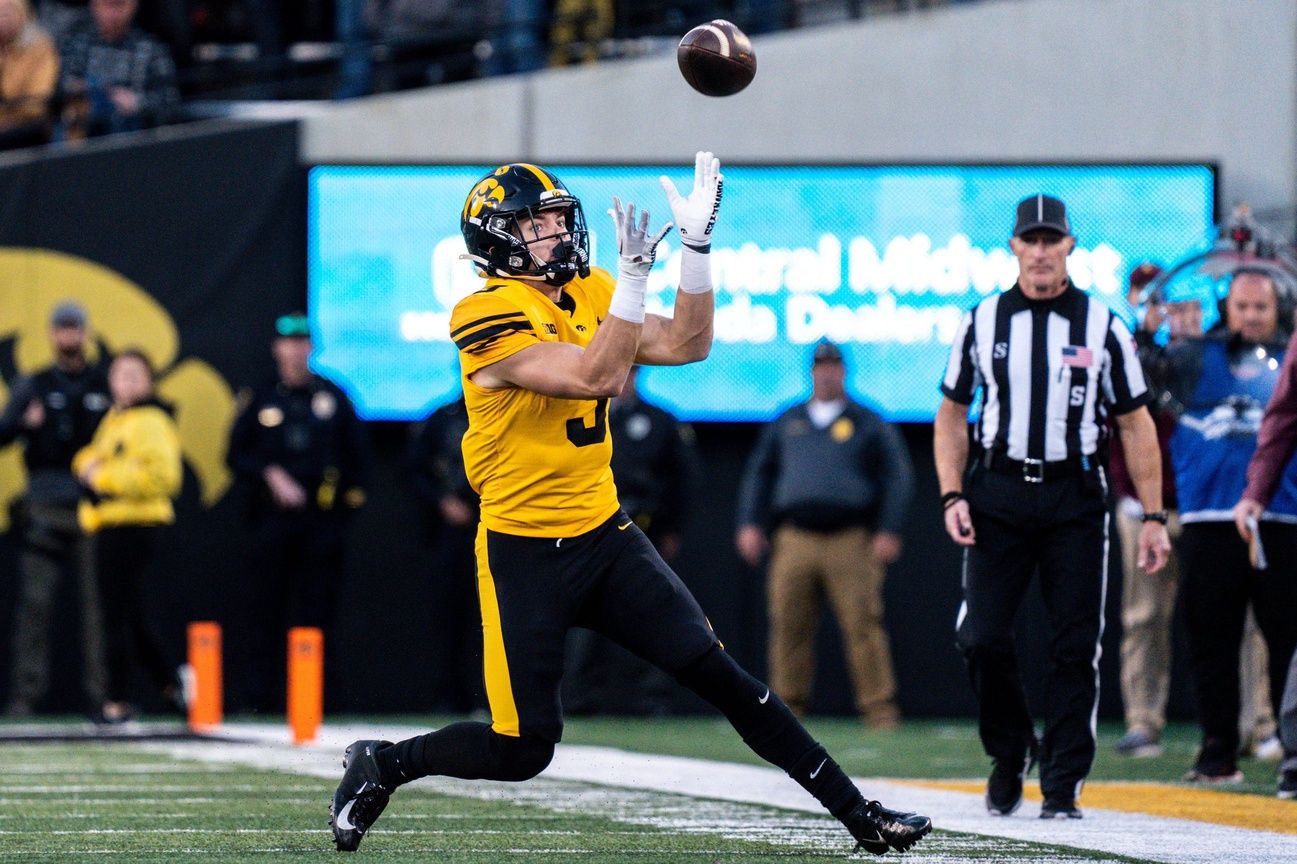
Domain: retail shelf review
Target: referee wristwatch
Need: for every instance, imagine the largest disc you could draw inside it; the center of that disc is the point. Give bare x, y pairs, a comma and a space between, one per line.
1158, 516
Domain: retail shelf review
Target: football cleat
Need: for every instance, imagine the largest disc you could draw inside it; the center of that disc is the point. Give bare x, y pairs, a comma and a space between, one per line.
877, 829
360, 797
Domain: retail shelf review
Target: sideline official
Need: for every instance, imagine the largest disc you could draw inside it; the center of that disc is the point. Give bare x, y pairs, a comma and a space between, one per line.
1052, 363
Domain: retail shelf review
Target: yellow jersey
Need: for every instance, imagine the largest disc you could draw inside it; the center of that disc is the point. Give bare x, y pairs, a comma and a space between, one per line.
540, 464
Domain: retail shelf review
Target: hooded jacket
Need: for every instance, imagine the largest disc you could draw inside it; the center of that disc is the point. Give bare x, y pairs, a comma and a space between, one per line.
138, 449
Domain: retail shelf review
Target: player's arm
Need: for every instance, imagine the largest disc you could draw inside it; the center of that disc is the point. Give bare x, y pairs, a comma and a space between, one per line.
686, 337
568, 371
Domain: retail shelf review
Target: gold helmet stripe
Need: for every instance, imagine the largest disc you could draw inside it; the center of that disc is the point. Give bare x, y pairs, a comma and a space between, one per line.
540, 175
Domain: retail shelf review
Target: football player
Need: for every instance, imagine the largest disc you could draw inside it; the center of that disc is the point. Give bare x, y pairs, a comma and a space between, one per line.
543, 345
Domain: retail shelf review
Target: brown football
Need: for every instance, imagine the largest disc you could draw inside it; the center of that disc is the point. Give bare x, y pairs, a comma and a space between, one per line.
716, 58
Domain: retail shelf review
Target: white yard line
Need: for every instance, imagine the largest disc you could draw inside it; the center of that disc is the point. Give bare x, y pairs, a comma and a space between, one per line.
1142, 836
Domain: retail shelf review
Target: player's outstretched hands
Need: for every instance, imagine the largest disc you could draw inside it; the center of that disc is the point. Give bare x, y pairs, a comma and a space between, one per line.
636, 247
696, 215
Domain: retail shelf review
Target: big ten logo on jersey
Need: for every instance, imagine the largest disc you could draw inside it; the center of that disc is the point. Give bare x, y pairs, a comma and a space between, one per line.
122, 315
550, 329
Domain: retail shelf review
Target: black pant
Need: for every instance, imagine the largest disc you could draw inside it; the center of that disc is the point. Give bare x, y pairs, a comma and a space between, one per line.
124, 555
1219, 583
1059, 528
297, 562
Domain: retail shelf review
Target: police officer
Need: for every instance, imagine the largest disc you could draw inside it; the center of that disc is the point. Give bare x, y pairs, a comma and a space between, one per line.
1051, 363
653, 464
54, 414
834, 480
299, 450
435, 465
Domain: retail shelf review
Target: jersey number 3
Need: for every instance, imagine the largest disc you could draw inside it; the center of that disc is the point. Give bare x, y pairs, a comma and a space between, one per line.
582, 435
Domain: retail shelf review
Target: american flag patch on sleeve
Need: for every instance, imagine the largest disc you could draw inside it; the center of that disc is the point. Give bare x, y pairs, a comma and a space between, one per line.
1078, 355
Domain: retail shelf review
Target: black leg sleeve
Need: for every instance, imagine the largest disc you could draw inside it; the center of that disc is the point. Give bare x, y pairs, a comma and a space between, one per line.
469, 751
770, 729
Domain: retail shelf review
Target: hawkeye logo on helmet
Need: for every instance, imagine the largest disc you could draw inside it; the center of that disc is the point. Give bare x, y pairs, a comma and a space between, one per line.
489, 190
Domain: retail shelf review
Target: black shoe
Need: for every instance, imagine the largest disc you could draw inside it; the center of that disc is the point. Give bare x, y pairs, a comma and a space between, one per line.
360, 797
1059, 809
1004, 788
876, 828
1288, 784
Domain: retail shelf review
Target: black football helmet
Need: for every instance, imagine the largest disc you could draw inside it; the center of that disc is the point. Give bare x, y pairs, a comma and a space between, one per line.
496, 239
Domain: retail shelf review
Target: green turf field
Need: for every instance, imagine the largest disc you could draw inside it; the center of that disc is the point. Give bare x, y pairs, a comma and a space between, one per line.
115, 801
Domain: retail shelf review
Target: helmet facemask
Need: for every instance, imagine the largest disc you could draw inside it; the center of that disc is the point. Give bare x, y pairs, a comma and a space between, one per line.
522, 250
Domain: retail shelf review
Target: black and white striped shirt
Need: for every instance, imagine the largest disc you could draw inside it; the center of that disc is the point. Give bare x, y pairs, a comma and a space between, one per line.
1050, 371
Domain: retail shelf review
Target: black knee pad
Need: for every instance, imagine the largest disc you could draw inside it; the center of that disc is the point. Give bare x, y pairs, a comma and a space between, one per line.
520, 758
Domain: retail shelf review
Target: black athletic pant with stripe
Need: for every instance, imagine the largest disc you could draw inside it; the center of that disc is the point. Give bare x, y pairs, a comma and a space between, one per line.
1058, 528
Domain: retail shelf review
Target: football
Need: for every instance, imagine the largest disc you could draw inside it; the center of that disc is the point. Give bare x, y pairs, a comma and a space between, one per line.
716, 58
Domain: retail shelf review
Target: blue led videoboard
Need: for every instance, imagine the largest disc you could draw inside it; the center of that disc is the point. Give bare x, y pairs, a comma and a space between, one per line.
881, 259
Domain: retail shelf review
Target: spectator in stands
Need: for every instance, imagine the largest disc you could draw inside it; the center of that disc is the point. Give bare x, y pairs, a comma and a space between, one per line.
429, 41
115, 77
29, 69
130, 470
54, 413
579, 26
435, 465
1223, 380
834, 481
652, 465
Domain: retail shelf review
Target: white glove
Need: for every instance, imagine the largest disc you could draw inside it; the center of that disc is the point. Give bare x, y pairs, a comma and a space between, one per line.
696, 215
637, 249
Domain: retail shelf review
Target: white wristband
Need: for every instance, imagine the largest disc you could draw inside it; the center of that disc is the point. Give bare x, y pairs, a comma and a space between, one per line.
695, 271
628, 298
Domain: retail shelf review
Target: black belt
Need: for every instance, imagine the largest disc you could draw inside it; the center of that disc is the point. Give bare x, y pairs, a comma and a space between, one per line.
1036, 470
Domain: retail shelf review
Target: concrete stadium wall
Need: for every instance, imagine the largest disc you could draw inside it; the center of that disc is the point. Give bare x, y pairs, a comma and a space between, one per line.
1031, 80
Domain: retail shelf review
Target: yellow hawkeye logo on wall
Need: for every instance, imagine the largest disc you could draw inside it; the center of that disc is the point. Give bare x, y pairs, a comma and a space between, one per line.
122, 315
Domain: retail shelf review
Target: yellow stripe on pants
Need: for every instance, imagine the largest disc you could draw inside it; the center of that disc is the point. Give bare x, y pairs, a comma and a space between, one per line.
499, 688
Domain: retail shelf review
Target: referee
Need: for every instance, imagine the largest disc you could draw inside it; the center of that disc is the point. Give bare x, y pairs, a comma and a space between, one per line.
1052, 364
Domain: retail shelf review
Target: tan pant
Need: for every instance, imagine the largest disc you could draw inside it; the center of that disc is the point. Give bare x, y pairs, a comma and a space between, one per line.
1147, 605
805, 568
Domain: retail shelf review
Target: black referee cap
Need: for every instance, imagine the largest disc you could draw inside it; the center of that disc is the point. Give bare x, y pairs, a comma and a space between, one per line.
1041, 213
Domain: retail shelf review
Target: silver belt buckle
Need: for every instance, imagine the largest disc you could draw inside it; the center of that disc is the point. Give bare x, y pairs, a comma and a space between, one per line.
1033, 470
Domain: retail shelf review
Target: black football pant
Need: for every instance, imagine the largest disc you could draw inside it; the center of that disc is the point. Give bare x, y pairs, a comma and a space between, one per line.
1059, 529
1219, 583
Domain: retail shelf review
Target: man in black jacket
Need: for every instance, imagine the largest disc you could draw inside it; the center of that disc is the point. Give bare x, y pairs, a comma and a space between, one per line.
834, 480
54, 414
